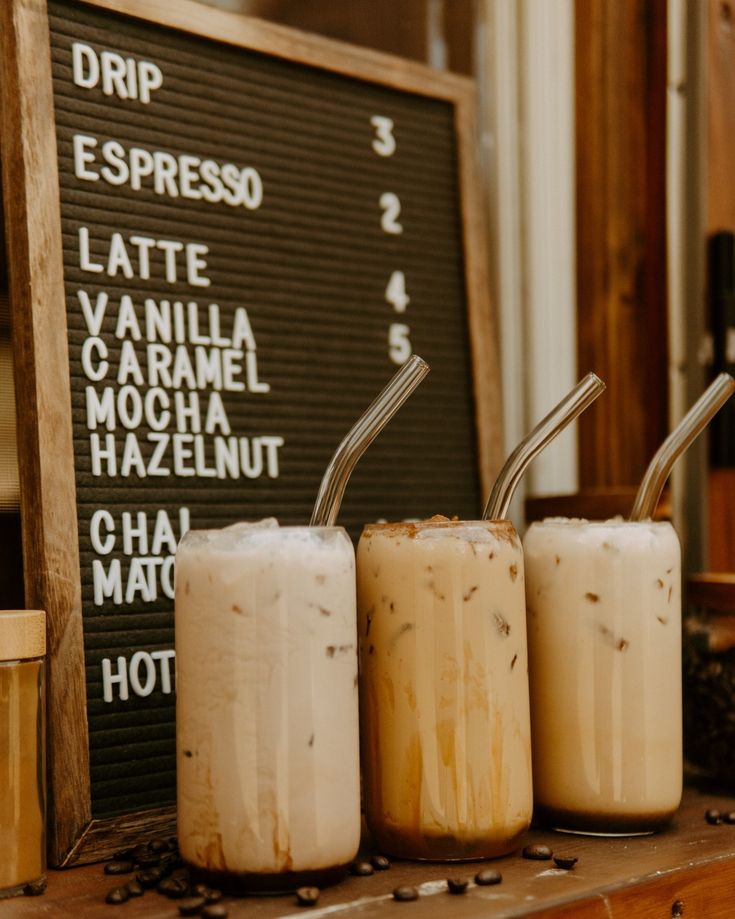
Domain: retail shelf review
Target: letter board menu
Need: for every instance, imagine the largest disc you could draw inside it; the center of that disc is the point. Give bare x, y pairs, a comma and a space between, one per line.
256, 229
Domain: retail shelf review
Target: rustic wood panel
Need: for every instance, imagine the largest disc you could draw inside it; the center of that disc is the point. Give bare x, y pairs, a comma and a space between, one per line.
621, 236
691, 863
50, 550
719, 61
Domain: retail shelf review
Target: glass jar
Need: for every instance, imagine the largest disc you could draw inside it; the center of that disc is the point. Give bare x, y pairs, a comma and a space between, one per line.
444, 688
22, 751
604, 647
266, 710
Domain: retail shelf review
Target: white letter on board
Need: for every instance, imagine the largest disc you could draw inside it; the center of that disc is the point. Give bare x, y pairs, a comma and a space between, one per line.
108, 679
100, 546
82, 57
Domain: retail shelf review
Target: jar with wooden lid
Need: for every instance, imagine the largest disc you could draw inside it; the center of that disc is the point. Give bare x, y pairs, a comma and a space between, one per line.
22, 751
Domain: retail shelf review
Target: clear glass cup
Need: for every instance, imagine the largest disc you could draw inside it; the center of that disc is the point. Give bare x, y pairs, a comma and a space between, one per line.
266, 712
604, 644
444, 688
22, 751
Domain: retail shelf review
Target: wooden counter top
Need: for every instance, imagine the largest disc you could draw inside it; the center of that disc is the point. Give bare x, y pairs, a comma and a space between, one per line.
688, 870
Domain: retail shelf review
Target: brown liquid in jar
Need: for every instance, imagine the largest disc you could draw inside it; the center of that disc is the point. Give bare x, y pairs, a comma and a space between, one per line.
22, 777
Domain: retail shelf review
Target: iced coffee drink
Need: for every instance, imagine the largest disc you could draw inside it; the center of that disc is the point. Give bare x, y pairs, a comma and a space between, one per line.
444, 688
604, 636
266, 714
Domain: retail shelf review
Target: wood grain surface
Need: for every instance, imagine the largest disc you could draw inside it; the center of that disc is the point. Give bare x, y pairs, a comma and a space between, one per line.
38, 318
691, 863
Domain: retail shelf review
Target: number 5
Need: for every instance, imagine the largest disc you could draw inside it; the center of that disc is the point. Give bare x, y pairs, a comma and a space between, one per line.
399, 344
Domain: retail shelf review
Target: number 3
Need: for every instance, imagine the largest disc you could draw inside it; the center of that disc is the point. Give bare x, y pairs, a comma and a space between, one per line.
384, 144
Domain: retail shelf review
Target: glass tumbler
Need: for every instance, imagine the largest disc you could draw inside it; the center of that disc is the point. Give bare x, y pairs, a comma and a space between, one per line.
444, 688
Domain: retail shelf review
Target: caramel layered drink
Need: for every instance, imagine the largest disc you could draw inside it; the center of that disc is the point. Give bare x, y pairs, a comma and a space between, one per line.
444, 688
604, 634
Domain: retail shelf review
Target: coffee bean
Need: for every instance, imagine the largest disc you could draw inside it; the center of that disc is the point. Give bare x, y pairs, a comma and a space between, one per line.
380, 862
307, 896
713, 816
159, 845
35, 888
405, 894
173, 888
730, 817
537, 851
117, 895
361, 869
123, 855
210, 894
118, 867
192, 906
457, 885
134, 889
148, 860
214, 911
565, 861
149, 877
140, 851
488, 876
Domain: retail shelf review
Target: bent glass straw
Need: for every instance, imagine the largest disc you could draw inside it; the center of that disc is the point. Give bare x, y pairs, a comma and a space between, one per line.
690, 426
573, 404
359, 438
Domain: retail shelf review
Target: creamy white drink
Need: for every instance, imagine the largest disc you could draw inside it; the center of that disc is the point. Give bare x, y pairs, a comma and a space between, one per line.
444, 688
266, 710
604, 635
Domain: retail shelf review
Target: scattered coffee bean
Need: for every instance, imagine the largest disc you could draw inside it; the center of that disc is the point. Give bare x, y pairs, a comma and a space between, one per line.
210, 894
192, 906
405, 894
565, 861
148, 860
173, 888
307, 896
488, 876
119, 867
35, 888
730, 817
149, 877
380, 862
214, 911
537, 851
123, 855
713, 816
134, 889
159, 845
457, 885
117, 895
361, 869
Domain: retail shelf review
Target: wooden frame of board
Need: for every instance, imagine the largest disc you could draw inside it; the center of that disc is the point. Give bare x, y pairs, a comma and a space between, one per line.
34, 251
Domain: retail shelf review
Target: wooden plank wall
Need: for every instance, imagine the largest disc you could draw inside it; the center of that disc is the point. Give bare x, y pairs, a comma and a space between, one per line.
620, 88
719, 57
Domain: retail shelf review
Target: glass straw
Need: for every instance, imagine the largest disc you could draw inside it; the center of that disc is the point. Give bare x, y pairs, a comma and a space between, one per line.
359, 438
690, 426
573, 404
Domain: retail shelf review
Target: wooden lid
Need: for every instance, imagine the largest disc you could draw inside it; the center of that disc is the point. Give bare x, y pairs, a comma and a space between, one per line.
22, 634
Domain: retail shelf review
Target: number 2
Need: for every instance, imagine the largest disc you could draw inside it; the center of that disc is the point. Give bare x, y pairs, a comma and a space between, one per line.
384, 143
391, 204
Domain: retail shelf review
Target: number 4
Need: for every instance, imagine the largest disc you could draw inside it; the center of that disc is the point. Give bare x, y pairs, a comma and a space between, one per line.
395, 292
